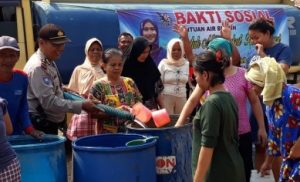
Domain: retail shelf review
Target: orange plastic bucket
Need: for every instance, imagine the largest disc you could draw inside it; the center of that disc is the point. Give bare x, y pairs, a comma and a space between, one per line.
160, 117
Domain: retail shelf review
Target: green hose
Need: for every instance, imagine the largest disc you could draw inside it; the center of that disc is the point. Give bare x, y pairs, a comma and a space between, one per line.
111, 111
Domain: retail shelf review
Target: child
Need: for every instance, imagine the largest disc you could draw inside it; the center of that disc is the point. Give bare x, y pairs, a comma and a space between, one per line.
9, 163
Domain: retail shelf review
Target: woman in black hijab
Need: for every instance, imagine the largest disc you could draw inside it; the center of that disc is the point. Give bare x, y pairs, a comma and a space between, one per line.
141, 68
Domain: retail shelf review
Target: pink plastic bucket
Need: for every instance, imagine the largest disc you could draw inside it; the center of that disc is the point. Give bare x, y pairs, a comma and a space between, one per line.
141, 112
160, 117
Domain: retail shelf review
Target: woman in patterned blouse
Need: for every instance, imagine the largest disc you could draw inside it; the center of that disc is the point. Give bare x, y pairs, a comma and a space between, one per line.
283, 111
114, 90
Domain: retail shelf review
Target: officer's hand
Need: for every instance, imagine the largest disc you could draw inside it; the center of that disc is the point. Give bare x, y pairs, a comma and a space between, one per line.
37, 134
66, 89
89, 106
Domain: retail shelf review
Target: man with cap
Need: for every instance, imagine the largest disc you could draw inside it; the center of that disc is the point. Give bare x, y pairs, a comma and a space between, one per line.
47, 105
13, 87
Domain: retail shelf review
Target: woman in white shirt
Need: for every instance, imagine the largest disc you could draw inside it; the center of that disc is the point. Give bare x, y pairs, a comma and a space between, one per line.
174, 74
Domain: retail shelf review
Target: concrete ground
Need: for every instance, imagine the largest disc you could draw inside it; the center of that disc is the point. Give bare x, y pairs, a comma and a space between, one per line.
69, 167
68, 148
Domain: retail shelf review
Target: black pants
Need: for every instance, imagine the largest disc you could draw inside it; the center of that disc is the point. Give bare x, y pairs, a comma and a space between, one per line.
46, 126
245, 148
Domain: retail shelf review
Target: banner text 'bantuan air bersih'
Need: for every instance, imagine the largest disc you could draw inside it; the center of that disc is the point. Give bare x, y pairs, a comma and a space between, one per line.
202, 25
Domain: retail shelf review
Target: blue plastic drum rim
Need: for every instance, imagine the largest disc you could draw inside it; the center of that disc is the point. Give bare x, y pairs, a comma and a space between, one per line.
114, 149
188, 125
54, 141
173, 117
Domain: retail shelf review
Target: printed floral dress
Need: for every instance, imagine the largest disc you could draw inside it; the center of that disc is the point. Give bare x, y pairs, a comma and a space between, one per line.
125, 93
284, 127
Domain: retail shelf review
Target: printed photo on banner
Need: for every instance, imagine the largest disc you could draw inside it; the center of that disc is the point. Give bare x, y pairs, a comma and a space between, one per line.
203, 25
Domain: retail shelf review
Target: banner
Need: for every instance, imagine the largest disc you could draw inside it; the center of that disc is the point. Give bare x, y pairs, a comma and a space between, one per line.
202, 26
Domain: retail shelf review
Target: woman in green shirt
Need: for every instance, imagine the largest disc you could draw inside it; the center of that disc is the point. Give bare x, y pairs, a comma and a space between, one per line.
215, 154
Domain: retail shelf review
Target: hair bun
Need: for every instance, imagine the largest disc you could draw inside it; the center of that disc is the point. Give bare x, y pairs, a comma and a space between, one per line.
222, 57
219, 56
270, 22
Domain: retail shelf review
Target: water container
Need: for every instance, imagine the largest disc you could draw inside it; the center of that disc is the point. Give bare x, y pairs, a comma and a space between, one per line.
41, 160
173, 150
107, 158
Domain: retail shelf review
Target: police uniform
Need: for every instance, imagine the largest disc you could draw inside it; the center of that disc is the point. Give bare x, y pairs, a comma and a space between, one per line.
45, 94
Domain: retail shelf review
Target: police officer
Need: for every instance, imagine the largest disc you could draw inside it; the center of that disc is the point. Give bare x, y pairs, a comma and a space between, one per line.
47, 105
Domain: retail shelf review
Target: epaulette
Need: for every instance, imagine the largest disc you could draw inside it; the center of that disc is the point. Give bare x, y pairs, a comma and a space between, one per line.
44, 64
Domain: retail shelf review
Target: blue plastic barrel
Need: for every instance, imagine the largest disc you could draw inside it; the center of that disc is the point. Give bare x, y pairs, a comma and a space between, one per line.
173, 150
41, 160
107, 158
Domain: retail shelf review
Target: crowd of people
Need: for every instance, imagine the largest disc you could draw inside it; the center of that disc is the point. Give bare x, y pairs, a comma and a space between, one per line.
32, 101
